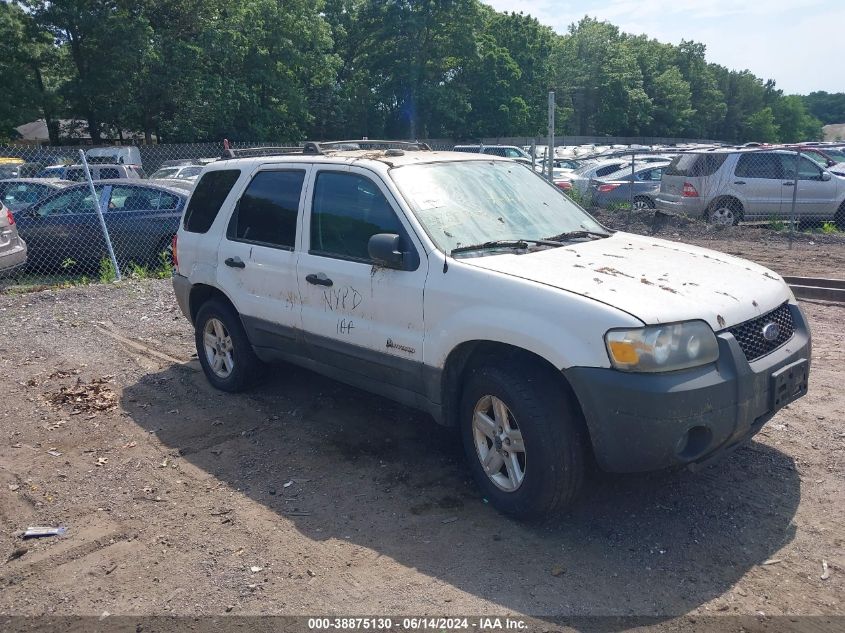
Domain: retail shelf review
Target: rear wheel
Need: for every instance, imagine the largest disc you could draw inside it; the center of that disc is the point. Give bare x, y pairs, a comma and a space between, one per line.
225, 353
523, 439
724, 212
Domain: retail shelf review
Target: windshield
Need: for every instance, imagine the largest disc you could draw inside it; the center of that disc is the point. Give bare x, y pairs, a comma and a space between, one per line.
465, 203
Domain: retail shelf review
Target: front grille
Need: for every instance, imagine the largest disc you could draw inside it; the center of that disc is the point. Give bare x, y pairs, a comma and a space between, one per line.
749, 335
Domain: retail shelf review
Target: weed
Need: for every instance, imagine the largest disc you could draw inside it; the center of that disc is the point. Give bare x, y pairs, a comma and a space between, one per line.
107, 271
829, 227
135, 271
777, 225
165, 266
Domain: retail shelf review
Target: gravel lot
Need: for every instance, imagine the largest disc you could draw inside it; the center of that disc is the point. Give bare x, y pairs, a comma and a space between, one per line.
309, 497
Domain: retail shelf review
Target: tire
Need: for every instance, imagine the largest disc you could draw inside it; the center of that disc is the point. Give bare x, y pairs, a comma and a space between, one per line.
227, 357
552, 438
642, 203
724, 212
839, 217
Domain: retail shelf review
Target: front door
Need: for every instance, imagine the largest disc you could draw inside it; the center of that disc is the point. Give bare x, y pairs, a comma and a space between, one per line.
816, 197
363, 321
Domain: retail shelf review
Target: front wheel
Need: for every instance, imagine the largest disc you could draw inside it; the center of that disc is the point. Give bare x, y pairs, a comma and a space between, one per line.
523, 440
225, 353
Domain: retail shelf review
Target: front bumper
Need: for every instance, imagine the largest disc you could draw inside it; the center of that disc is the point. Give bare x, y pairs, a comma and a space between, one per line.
642, 422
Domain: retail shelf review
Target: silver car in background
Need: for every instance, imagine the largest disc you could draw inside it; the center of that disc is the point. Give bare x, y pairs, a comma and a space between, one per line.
727, 186
12, 247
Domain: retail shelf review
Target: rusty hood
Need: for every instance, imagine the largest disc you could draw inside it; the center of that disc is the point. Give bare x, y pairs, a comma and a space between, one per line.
655, 280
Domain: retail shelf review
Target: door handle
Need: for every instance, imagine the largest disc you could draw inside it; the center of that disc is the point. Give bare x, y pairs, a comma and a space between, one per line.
789, 184
739, 182
234, 262
319, 279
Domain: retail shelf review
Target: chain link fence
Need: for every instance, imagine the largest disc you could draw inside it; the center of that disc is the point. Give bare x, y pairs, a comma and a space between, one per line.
51, 231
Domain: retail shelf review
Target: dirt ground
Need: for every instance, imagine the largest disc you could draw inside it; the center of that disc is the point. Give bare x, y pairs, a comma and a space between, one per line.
309, 497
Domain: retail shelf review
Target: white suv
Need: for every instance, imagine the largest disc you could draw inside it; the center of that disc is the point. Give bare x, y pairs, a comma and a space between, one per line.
471, 288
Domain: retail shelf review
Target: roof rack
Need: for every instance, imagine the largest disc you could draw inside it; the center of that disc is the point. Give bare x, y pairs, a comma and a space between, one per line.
312, 148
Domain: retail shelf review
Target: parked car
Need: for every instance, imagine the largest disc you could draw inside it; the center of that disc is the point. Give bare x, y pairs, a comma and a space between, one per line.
727, 186
184, 172
141, 220
580, 179
19, 193
561, 167
12, 247
477, 292
622, 186
17, 168
186, 185
507, 151
76, 173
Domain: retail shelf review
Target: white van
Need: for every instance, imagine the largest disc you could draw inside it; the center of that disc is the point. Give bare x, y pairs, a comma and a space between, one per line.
120, 155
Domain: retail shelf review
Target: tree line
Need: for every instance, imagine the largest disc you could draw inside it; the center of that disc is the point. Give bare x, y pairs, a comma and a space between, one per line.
256, 70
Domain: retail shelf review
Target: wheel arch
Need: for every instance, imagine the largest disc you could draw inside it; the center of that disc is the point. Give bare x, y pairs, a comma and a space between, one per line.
201, 293
471, 354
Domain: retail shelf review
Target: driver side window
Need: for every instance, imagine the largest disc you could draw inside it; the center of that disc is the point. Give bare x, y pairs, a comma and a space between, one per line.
347, 210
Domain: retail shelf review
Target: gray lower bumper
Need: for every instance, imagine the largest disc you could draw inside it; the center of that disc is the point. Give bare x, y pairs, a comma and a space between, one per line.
13, 258
641, 422
182, 289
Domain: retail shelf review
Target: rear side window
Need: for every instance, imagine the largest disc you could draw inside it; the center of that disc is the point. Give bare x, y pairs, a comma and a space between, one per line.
208, 197
108, 172
758, 166
347, 211
267, 210
695, 165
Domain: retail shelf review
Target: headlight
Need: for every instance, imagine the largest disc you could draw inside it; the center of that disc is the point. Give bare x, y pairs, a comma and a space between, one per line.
662, 347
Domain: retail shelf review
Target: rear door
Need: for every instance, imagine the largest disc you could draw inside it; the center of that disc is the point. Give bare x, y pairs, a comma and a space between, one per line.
257, 259
363, 320
142, 221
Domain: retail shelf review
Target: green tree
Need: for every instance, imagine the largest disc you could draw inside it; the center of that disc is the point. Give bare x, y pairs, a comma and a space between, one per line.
27, 73
761, 127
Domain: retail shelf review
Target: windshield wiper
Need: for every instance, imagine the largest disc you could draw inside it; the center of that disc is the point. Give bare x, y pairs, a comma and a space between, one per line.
503, 244
571, 235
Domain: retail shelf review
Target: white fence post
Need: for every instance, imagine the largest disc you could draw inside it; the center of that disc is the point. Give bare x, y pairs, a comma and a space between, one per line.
100, 214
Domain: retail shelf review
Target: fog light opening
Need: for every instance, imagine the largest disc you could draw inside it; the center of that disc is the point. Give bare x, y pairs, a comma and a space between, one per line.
694, 443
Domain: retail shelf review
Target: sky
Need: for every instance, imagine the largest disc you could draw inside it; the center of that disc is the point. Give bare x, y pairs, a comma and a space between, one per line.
798, 43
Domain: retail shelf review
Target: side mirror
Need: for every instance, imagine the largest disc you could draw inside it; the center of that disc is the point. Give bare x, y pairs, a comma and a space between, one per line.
826, 176
385, 250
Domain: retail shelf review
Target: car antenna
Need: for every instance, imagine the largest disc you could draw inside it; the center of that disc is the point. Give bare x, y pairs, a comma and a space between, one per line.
445, 264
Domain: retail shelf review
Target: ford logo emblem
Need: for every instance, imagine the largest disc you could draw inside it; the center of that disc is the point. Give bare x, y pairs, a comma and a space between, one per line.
771, 331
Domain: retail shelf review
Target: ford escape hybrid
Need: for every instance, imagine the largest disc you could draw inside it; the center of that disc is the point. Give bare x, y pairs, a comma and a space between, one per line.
467, 286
